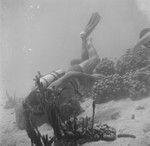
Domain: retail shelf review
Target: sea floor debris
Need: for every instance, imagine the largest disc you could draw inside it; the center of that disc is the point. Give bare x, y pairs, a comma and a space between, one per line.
73, 131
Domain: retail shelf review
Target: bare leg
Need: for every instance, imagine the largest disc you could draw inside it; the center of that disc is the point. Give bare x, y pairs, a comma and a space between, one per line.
91, 49
143, 42
144, 38
89, 65
75, 61
94, 20
86, 66
89, 57
84, 53
144, 32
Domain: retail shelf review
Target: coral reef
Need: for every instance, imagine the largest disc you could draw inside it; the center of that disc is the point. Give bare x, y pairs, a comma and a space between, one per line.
105, 67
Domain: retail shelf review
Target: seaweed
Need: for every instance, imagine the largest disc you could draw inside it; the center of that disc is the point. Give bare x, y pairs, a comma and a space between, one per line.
73, 131
33, 132
11, 101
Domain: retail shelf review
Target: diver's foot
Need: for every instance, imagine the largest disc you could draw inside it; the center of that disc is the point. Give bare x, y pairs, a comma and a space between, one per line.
83, 35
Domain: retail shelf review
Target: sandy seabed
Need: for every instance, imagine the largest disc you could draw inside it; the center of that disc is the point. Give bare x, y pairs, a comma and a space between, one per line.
127, 116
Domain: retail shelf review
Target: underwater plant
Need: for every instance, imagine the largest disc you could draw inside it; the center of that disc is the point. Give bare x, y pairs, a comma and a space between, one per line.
11, 101
73, 131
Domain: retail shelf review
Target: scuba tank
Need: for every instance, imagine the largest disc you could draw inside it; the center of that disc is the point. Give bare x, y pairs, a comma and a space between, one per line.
47, 79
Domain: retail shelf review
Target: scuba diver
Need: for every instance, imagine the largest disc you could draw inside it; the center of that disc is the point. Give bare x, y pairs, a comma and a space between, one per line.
89, 56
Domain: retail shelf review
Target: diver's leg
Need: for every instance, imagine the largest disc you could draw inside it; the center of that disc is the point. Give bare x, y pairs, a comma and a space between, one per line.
75, 62
89, 65
145, 41
91, 49
94, 20
84, 52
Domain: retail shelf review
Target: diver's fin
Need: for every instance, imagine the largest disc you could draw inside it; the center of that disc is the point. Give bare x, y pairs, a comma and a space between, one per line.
94, 20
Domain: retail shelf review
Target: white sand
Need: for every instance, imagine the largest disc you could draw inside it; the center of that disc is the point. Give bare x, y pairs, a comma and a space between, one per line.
122, 115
